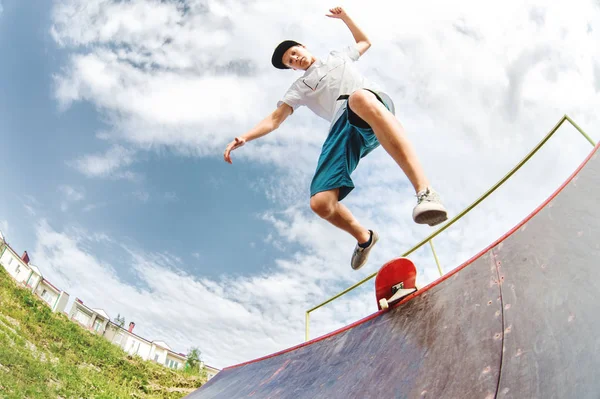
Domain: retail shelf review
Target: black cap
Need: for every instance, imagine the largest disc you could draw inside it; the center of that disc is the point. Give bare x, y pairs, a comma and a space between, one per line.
280, 50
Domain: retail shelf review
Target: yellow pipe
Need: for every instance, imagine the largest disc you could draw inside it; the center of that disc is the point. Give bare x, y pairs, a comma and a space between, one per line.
306, 333
437, 261
461, 214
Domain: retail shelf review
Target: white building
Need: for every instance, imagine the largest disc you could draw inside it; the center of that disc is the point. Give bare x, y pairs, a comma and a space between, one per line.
17, 266
157, 351
210, 371
55, 298
93, 319
97, 321
29, 276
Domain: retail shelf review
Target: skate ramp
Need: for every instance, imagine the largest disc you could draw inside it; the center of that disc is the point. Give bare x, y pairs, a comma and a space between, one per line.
519, 320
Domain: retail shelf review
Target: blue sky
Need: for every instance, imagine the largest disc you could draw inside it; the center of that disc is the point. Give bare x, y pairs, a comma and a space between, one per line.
175, 202
114, 117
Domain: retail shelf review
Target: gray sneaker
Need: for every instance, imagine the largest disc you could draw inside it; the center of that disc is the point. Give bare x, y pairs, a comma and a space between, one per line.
360, 255
429, 209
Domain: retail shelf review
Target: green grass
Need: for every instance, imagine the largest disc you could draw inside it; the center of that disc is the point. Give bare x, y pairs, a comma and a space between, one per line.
44, 355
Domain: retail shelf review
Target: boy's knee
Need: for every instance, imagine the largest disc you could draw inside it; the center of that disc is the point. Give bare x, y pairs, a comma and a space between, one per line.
363, 102
322, 206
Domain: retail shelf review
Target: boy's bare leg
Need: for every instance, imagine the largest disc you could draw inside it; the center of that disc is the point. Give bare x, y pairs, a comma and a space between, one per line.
326, 205
390, 134
429, 209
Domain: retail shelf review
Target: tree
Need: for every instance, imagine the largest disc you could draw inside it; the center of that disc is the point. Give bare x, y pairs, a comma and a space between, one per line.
193, 359
119, 320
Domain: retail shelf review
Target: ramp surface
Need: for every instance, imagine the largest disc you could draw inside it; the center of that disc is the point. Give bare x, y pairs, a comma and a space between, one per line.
519, 320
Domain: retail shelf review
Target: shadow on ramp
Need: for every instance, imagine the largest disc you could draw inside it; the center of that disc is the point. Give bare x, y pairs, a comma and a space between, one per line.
519, 320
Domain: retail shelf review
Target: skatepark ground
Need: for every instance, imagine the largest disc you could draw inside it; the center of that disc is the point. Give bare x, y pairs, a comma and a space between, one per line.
518, 320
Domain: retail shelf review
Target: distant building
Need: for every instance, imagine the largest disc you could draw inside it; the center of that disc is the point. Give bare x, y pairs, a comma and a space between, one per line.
210, 371
157, 351
55, 298
94, 320
29, 276
18, 266
97, 321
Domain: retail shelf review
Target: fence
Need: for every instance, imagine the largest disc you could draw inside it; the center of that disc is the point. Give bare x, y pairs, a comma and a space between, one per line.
430, 238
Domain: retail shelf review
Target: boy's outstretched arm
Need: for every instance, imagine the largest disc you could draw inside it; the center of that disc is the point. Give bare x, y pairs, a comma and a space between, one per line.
264, 127
362, 40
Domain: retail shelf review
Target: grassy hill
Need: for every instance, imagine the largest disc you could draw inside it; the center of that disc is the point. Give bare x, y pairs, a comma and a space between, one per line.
44, 355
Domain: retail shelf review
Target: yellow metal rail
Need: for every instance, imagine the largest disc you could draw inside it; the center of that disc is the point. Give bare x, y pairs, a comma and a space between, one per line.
459, 216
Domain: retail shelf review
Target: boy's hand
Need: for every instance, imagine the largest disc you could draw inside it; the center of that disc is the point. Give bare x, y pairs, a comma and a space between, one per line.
236, 143
337, 12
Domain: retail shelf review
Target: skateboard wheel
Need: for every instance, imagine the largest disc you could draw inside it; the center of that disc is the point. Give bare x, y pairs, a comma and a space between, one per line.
383, 303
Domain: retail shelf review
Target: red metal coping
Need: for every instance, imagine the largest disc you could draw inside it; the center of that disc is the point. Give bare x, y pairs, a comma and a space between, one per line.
439, 280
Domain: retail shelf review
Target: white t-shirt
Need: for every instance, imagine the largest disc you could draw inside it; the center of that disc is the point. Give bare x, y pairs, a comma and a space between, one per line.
324, 81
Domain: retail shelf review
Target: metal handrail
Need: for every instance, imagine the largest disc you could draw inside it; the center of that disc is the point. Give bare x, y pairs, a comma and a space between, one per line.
460, 215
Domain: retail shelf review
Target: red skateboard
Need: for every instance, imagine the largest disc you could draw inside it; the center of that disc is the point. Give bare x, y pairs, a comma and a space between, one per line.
395, 280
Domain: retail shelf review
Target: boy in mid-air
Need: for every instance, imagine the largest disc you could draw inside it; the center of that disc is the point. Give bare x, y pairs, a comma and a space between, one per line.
361, 117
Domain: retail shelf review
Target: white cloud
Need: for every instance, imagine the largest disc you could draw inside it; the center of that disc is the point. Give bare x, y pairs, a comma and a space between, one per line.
171, 196
91, 207
70, 195
262, 314
183, 76
4, 227
142, 196
475, 84
31, 204
109, 164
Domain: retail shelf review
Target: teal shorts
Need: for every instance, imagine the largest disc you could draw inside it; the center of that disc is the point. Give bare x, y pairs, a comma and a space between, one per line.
350, 139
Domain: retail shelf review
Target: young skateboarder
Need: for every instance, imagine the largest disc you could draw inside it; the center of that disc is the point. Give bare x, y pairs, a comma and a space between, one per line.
361, 117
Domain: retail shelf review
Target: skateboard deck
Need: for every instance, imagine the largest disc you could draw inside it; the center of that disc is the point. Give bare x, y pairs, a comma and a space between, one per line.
395, 280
